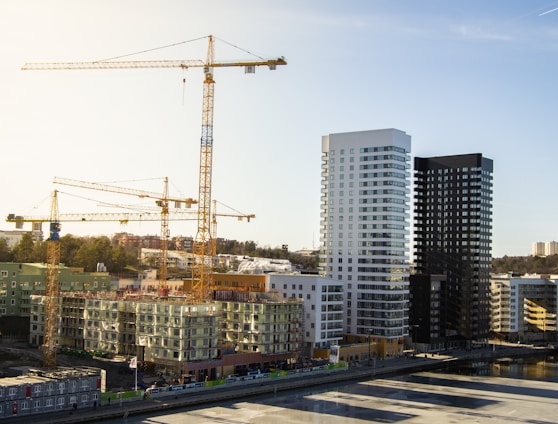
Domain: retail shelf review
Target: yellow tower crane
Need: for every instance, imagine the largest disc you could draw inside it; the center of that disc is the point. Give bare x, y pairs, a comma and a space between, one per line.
162, 202
52, 287
202, 245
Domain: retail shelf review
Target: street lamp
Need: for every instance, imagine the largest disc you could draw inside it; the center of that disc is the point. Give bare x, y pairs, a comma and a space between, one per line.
369, 345
415, 329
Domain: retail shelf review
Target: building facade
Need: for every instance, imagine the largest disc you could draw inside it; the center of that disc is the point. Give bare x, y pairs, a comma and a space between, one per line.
524, 307
453, 238
261, 323
44, 391
174, 333
544, 248
365, 229
323, 307
18, 281
538, 248
13, 237
426, 316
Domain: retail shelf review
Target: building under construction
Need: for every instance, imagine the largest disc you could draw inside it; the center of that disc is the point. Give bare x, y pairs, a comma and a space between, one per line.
173, 332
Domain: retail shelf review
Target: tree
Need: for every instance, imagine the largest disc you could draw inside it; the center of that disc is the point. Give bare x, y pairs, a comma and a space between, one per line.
39, 251
69, 245
5, 252
120, 259
23, 251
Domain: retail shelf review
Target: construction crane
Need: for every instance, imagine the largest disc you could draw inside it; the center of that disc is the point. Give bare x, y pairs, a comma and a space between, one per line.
126, 217
122, 217
202, 246
162, 201
214, 213
52, 287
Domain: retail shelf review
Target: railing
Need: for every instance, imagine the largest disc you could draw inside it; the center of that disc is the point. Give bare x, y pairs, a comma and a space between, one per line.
252, 377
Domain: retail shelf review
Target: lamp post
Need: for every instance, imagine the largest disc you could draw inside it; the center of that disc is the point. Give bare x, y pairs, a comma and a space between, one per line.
415, 329
369, 345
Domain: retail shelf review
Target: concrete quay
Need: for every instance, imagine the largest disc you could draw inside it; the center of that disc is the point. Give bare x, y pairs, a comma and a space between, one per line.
237, 390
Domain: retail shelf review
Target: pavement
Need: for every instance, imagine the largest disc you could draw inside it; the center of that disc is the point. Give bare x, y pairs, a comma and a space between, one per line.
362, 370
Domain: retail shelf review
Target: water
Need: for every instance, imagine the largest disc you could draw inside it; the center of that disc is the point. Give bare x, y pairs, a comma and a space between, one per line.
518, 391
543, 368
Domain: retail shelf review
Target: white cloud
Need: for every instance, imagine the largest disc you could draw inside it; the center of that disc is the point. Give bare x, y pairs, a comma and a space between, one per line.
478, 33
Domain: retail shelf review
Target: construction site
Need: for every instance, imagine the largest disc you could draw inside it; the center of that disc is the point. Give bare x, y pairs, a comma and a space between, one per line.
197, 333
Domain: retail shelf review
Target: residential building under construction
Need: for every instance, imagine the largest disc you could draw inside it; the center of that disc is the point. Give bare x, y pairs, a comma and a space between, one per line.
175, 333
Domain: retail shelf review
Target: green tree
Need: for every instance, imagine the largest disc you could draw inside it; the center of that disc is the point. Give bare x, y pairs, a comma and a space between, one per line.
120, 259
39, 251
5, 252
23, 251
69, 245
86, 256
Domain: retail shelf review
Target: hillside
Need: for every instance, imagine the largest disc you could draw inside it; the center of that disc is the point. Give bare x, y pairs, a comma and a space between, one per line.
526, 264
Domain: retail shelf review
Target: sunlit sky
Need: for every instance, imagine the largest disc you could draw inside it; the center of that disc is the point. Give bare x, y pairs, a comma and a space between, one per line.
459, 76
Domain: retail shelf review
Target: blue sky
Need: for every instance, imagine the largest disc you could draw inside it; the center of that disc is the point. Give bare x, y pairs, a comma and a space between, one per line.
460, 76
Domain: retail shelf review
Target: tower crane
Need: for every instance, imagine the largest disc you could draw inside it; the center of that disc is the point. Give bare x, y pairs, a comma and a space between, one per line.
122, 217
202, 245
162, 202
52, 287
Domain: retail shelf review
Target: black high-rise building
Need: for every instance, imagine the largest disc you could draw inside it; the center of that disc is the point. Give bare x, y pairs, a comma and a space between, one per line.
453, 234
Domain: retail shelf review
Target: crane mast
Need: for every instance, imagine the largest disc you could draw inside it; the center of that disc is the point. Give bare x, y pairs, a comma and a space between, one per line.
164, 205
202, 244
52, 287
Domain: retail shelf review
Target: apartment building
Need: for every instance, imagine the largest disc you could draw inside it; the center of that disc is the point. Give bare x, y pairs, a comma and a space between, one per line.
322, 302
13, 237
524, 307
18, 281
544, 248
453, 238
176, 333
365, 229
41, 391
260, 322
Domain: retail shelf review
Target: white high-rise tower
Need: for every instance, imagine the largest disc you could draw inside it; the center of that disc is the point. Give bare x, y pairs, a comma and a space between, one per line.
365, 214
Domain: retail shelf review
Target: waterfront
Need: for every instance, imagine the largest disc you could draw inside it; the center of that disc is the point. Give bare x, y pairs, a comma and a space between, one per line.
521, 391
